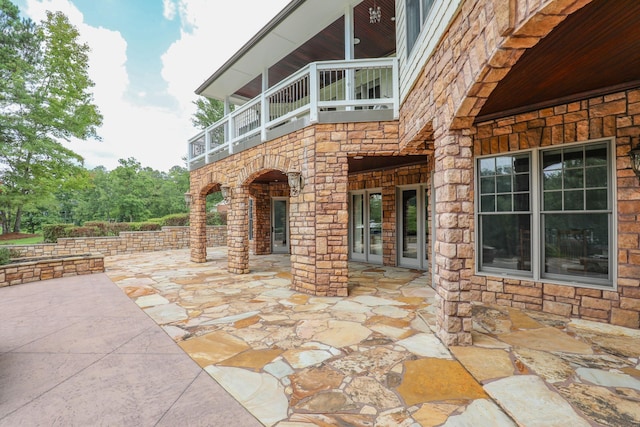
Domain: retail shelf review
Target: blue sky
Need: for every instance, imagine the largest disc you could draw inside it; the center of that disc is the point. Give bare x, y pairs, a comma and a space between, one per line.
148, 34
147, 57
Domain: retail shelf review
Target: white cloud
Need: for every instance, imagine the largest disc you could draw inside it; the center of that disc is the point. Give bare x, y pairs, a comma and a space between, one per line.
169, 9
211, 33
156, 136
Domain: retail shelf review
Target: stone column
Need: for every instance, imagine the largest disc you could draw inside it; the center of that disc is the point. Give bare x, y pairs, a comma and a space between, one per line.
453, 182
302, 237
332, 218
238, 231
261, 219
198, 228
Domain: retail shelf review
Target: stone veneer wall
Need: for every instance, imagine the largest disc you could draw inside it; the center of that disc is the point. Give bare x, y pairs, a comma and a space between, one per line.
127, 242
615, 115
43, 269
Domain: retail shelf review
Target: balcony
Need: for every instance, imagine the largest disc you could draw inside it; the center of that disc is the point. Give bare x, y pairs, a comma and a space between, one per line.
360, 90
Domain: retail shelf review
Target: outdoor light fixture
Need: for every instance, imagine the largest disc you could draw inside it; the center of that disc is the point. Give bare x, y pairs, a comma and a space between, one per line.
634, 154
295, 183
187, 199
226, 193
374, 13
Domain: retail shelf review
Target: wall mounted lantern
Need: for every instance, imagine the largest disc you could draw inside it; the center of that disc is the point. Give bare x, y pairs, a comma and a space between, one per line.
187, 199
226, 193
634, 154
296, 183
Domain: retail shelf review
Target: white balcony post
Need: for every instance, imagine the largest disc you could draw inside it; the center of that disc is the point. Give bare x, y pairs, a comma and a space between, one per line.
227, 105
207, 143
264, 108
227, 124
395, 77
231, 123
349, 53
348, 33
314, 88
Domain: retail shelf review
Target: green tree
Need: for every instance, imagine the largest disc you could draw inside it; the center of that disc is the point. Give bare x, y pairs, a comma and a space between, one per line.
94, 201
131, 189
45, 98
170, 192
208, 112
128, 193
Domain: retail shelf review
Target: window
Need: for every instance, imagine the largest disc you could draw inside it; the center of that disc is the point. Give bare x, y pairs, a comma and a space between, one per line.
572, 216
505, 212
416, 13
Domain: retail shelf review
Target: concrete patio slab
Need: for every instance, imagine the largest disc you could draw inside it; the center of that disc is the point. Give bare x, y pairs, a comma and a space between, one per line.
77, 351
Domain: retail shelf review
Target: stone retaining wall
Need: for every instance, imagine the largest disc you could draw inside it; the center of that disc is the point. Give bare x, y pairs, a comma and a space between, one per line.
127, 242
50, 268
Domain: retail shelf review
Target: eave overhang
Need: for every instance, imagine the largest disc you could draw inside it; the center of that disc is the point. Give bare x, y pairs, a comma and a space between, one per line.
286, 32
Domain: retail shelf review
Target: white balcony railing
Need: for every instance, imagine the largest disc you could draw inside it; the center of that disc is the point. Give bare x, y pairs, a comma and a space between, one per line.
329, 91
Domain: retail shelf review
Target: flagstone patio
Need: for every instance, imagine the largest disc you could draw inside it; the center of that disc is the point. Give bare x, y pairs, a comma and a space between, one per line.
372, 358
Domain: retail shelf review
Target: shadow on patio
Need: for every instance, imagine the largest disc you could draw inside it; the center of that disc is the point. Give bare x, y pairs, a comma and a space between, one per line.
371, 358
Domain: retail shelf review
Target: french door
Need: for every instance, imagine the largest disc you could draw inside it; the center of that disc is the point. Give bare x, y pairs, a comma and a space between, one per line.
365, 228
413, 227
279, 225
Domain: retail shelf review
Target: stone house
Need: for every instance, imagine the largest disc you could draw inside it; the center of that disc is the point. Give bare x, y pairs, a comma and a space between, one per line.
484, 141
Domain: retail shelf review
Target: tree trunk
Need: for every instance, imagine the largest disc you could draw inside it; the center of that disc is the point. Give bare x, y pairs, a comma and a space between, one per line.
4, 222
17, 223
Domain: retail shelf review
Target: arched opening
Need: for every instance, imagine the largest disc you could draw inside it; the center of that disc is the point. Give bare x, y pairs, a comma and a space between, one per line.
268, 219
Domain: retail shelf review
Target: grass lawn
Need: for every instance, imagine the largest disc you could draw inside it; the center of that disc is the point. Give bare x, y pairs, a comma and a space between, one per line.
24, 241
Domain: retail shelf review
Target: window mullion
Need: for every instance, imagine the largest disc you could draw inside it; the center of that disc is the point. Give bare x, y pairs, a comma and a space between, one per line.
536, 220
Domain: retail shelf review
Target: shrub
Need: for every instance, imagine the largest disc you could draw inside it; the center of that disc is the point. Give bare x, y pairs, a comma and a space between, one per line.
52, 232
102, 226
214, 218
82, 232
144, 226
115, 228
5, 256
175, 220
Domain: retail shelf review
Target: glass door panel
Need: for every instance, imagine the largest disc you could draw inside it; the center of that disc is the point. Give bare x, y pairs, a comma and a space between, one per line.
413, 226
375, 227
409, 229
425, 244
365, 226
357, 227
279, 226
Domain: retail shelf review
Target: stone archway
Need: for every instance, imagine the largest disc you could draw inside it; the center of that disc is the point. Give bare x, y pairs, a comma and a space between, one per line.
261, 164
243, 189
519, 26
198, 216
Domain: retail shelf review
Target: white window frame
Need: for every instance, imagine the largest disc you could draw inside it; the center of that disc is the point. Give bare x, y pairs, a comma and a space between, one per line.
411, 41
537, 274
